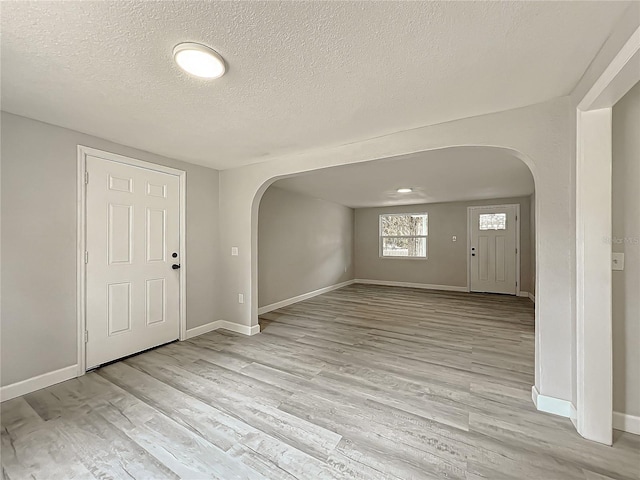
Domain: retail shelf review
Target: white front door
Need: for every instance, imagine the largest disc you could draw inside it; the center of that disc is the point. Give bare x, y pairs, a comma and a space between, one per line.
132, 242
493, 246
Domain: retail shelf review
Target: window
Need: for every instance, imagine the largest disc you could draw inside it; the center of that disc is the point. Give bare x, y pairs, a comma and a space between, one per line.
404, 235
493, 221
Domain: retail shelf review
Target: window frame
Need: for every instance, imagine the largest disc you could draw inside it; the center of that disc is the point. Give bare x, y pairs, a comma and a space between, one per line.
480, 215
382, 237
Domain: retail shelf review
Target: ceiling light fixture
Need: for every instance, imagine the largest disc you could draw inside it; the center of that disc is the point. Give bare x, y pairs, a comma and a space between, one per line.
404, 190
199, 60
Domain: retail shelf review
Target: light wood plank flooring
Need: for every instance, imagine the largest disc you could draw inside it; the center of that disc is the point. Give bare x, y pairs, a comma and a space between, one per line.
365, 382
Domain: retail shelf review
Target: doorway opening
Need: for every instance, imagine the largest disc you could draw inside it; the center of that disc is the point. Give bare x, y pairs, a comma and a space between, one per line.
320, 230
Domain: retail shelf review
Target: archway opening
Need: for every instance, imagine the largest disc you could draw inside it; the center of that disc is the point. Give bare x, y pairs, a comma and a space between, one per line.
319, 231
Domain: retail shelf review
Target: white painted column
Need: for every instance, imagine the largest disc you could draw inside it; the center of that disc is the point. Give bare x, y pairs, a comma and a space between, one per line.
593, 250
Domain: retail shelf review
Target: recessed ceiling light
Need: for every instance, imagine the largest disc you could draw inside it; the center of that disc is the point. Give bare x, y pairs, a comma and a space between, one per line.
199, 60
404, 190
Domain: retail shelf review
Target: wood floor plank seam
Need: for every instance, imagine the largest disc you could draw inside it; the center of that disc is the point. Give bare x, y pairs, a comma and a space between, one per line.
366, 382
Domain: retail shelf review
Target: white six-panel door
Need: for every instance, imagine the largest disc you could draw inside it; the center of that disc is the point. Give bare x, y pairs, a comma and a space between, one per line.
132, 235
493, 244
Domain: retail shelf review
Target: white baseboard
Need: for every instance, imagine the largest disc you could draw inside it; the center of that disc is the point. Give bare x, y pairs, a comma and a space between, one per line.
573, 416
626, 423
36, 383
202, 329
243, 329
426, 286
234, 327
553, 405
300, 298
67, 373
528, 295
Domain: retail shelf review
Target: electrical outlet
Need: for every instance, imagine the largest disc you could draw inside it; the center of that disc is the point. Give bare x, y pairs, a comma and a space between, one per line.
617, 261
454, 239
234, 251
240, 298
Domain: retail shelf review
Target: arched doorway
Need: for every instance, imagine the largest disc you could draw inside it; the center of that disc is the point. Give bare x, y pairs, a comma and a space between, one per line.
478, 177
539, 135
528, 265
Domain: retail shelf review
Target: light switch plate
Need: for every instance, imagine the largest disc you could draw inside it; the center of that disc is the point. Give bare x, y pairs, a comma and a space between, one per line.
617, 261
234, 251
240, 298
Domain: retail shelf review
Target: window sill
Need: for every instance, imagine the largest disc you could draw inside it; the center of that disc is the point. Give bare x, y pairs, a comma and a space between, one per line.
402, 258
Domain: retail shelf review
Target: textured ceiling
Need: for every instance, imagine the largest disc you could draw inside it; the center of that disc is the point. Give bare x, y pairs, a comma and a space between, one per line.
301, 74
448, 175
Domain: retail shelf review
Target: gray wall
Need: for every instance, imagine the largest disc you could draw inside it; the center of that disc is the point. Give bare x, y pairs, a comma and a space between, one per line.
304, 244
447, 262
626, 239
39, 164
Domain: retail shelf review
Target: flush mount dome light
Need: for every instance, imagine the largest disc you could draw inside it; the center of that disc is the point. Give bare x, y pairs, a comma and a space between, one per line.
404, 190
199, 60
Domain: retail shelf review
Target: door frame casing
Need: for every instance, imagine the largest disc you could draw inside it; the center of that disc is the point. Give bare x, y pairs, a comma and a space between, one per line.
81, 235
593, 302
518, 249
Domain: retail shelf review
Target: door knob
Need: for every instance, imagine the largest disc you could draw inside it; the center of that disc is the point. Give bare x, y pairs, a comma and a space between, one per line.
175, 266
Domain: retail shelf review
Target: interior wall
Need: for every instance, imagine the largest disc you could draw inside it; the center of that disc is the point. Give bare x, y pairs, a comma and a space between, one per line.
447, 260
304, 244
625, 238
624, 30
39, 209
540, 135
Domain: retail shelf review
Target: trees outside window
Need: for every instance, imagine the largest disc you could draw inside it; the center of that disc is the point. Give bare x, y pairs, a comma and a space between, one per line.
404, 235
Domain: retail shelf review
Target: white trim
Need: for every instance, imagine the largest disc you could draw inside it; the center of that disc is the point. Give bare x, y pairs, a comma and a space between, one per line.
518, 246
391, 257
210, 327
617, 79
243, 329
532, 297
594, 338
573, 416
183, 255
626, 423
468, 253
114, 157
523, 294
36, 383
381, 238
202, 329
83, 152
594, 342
518, 250
300, 298
80, 265
426, 286
555, 406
